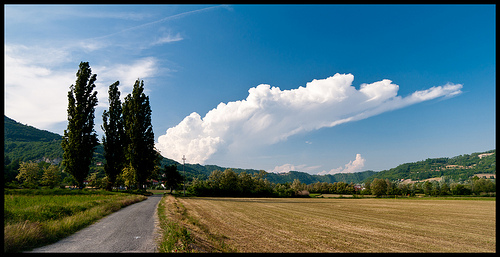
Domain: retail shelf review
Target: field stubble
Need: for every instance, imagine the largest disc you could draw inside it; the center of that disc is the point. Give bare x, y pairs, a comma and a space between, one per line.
348, 225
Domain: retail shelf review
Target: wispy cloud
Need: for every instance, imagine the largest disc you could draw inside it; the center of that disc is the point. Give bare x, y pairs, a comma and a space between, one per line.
126, 73
34, 91
168, 38
38, 76
142, 36
270, 115
36, 86
46, 14
164, 19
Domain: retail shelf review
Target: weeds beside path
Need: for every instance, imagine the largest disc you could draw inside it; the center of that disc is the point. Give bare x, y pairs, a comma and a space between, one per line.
37, 219
181, 232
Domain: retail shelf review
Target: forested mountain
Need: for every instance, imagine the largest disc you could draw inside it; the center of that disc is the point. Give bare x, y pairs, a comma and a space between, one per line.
26, 143
307, 178
460, 167
15, 131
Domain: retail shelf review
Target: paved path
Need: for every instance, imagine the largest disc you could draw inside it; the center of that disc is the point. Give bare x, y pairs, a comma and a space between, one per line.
131, 229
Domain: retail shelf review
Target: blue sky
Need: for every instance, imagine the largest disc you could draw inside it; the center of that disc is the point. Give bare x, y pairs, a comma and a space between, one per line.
315, 88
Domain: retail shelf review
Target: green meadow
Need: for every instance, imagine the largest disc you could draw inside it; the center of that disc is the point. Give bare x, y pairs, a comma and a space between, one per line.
34, 218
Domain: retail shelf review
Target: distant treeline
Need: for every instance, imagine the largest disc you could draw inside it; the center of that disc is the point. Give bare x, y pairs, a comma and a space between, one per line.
202, 172
230, 183
443, 187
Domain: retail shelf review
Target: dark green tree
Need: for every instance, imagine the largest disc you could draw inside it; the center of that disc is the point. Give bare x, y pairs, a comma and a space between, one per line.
459, 189
389, 189
445, 189
79, 138
173, 177
378, 187
229, 181
140, 152
427, 187
113, 140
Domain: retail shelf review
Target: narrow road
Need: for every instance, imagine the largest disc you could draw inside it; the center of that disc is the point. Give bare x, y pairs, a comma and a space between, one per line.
131, 229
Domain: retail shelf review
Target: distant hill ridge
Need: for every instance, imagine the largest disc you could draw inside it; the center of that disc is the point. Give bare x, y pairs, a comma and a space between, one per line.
26, 143
460, 167
15, 131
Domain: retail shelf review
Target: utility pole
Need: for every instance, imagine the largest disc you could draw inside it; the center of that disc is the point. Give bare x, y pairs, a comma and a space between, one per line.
183, 164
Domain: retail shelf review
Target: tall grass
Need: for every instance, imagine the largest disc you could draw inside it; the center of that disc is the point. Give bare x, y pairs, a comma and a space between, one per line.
44, 216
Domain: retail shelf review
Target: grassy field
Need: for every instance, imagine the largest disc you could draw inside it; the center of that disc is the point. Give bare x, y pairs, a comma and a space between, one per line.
34, 218
338, 225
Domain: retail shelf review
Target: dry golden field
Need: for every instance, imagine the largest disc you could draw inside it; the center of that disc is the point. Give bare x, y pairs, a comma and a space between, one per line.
345, 225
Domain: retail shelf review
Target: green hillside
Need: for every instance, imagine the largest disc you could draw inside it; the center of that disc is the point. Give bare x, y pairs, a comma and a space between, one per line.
25, 143
460, 167
307, 178
15, 131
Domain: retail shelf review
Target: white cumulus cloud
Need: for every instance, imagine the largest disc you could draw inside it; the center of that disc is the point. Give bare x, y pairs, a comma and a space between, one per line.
351, 167
270, 115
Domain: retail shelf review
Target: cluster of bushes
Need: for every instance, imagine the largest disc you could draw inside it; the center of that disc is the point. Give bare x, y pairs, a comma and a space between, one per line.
230, 183
332, 188
32, 175
474, 186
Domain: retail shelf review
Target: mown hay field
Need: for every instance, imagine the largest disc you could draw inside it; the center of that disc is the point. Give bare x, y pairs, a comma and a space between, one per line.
347, 225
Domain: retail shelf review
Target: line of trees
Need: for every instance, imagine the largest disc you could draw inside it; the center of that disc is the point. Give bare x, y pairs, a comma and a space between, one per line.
230, 183
38, 174
332, 188
128, 141
445, 186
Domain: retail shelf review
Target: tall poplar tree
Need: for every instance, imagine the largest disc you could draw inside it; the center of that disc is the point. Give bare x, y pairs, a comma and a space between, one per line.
80, 138
141, 155
114, 136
